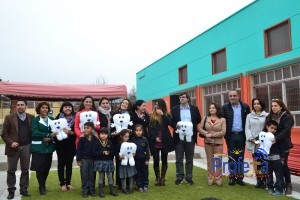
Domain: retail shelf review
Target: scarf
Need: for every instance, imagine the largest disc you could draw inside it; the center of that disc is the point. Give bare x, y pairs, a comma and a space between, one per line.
70, 119
105, 112
277, 117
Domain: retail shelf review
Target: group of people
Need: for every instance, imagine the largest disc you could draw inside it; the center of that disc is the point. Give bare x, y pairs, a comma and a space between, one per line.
97, 145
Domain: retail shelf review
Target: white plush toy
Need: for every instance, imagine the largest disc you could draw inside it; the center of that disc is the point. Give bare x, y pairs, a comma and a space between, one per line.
185, 130
121, 121
58, 126
265, 141
88, 116
127, 150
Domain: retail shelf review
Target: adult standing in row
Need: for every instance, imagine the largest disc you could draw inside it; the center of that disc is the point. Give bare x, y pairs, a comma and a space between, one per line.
213, 128
87, 104
42, 145
235, 113
140, 116
66, 149
280, 113
185, 112
16, 134
255, 123
160, 139
104, 112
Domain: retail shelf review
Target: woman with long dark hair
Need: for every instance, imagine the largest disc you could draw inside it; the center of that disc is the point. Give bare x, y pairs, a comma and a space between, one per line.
66, 149
140, 116
213, 128
280, 113
255, 123
87, 104
160, 139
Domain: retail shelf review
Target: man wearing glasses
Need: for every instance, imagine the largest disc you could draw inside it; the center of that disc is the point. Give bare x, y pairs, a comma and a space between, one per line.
185, 112
235, 113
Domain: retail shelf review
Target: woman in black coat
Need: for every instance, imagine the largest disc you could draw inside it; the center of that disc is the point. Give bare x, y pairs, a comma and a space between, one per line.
280, 113
66, 149
160, 139
140, 116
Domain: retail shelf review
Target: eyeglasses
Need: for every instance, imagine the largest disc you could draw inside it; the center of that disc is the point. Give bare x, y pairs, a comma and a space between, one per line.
275, 99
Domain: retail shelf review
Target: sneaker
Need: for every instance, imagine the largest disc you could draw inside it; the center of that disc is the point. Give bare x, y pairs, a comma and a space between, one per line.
145, 189
277, 193
141, 190
178, 181
190, 182
270, 191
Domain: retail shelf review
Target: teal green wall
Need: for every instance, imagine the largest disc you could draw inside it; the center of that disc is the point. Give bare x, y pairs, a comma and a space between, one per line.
242, 34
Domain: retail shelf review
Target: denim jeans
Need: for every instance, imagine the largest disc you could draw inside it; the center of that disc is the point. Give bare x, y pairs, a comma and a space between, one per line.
277, 167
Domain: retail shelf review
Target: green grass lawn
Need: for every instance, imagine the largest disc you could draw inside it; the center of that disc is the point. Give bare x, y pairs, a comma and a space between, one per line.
1, 141
169, 192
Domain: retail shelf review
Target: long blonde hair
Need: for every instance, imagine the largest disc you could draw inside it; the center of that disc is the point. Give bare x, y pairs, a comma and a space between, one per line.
154, 117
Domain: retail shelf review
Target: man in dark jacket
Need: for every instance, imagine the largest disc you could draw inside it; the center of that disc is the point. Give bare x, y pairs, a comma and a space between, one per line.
185, 112
235, 113
16, 134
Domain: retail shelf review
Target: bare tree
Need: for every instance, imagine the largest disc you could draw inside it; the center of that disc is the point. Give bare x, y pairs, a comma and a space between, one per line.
101, 80
132, 94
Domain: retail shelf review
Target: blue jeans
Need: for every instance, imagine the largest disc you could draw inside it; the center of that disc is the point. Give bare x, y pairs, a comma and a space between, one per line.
277, 167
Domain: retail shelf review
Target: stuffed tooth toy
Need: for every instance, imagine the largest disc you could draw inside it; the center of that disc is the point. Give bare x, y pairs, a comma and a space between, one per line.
121, 121
58, 126
88, 116
265, 140
185, 130
127, 150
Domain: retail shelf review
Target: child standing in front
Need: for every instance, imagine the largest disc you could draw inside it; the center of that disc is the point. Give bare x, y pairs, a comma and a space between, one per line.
103, 155
85, 160
141, 158
125, 171
275, 163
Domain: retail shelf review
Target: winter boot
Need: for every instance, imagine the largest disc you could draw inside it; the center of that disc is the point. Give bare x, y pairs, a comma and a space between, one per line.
101, 193
157, 175
163, 174
112, 191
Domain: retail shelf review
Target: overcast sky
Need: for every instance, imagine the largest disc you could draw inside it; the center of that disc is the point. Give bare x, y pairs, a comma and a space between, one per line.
82, 41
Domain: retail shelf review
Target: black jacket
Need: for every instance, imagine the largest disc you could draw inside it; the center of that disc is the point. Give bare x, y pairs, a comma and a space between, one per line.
283, 133
167, 140
196, 118
142, 150
85, 148
144, 122
98, 150
228, 115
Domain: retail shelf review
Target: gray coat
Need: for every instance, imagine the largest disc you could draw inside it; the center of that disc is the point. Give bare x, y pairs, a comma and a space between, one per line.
254, 125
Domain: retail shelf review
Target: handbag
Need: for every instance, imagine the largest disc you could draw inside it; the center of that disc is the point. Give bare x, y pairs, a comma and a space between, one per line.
201, 134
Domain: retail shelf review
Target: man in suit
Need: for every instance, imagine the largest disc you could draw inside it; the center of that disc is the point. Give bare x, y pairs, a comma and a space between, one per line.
235, 113
185, 112
16, 134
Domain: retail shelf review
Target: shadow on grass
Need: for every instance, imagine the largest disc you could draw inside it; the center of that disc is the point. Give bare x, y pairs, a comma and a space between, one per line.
169, 192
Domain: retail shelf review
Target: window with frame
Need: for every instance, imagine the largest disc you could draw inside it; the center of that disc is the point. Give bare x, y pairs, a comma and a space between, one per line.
182, 71
278, 39
218, 93
282, 83
219, 61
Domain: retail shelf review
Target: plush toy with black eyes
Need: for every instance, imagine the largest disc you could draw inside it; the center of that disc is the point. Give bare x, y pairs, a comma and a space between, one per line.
88, 116
185, 130
265, 140
121, 121
127, 150
58, 126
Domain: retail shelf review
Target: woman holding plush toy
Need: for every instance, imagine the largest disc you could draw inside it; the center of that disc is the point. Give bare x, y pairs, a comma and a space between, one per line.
213, 128
66, 149
87, 112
